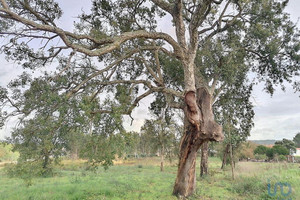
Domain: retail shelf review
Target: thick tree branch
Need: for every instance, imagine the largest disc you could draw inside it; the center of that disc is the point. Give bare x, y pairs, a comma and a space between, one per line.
179, 24
151, 71
108, 44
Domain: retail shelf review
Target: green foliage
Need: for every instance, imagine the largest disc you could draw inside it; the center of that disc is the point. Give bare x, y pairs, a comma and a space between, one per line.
28, 170
260, 156
131, 141
270, 153
282, 158
100, 150
288, 144
160, 136
280, 150
261, 149
38, 140
277, 150
296, 140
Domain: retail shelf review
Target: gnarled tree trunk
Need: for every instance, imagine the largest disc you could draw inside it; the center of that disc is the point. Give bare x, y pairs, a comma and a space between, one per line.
185, 183
199, 126
204, 159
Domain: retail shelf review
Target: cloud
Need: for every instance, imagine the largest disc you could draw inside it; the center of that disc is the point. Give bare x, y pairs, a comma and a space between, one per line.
276, 117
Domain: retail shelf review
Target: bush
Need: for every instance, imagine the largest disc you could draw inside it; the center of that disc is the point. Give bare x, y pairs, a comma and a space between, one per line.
270, 153
27, 170
248, 186
261, 150
280, 150
282, 158
260, 157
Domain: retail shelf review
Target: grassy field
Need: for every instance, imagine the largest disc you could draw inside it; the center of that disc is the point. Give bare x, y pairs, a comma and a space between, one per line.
142, 179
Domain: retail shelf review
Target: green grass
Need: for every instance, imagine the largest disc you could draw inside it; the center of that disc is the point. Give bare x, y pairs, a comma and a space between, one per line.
142, 179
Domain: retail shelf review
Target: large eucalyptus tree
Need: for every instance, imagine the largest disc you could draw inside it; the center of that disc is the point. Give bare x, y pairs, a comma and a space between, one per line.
117, 48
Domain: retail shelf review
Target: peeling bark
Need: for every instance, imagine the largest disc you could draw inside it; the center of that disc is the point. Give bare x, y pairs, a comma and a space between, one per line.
185, 183
209, 126
198, 109
192, 110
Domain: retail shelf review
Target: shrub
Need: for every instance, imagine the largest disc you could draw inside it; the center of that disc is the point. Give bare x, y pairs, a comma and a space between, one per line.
248, 186
282, 158
260, 157
27, 170
261, 150
270, 153
280, 150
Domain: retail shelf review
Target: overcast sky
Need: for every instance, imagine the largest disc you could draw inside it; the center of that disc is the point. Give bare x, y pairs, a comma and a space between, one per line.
276, 117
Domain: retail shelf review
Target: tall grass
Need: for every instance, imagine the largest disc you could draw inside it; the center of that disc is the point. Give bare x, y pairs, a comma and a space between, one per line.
141, 179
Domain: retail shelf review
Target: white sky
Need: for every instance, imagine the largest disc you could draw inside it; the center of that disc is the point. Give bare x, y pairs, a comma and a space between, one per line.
276, 117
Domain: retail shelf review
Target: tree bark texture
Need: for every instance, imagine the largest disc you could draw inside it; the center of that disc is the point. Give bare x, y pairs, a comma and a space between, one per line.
162, 159
225, 154
204, 159
231, 161
195, 134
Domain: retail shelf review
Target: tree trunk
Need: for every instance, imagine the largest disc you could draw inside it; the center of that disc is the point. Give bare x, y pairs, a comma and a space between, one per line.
46, 161
231, 161
185, 183
204, 159
162, 159
226, 152
199, 126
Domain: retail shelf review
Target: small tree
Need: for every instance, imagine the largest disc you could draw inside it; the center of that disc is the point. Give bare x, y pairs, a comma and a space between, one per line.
296, 140
277, 150
288, 144
161, 135
39, 141
131, 142
280, 150
246, 150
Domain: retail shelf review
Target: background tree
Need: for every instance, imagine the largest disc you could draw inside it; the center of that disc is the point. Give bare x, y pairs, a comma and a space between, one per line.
261, 149
277, 150
296, 140
288, 144
246, 151
116, 49
161, 135
236, 115
131, 143
39, 142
